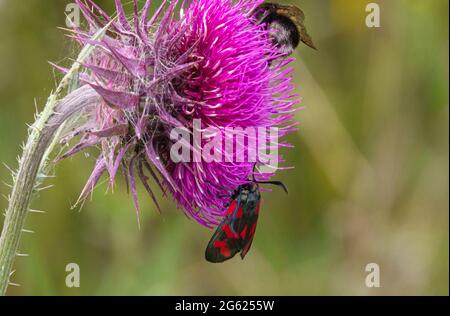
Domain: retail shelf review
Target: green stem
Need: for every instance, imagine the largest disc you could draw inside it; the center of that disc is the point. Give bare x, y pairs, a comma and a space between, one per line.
33, 156
39, 146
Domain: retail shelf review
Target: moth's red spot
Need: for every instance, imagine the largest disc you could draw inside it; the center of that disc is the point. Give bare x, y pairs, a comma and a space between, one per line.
231, 208
239, 213
244, 232
252, 232
219, 243
222, 245
249, 243
228, 232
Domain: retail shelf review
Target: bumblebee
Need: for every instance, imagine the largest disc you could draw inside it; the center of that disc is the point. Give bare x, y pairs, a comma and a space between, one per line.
286, 26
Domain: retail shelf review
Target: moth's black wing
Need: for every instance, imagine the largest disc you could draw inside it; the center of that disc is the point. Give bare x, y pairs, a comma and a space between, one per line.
224, 244
248, 225
235, 234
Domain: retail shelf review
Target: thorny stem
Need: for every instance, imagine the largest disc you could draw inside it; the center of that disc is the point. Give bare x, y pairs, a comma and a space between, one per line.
38, 147
30, 163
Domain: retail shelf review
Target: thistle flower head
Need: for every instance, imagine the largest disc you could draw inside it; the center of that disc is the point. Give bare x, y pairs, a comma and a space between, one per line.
205, 60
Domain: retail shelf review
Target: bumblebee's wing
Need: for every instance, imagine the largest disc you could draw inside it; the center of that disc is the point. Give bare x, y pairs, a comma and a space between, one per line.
291, 11
298, 18
294, 16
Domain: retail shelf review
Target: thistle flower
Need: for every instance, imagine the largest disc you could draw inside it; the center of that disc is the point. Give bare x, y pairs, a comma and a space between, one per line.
208, 60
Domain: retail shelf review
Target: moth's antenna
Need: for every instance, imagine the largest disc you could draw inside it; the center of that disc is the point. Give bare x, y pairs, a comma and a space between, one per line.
253, 174
277, 183
218, 186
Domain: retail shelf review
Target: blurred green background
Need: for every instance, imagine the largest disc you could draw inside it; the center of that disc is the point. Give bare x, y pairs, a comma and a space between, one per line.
370, 185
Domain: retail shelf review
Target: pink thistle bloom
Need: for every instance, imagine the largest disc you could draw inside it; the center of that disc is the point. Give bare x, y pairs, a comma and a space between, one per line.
209, 60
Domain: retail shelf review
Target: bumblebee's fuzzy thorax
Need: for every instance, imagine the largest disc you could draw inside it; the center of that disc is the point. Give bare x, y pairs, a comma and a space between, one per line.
284, 36
285, 24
